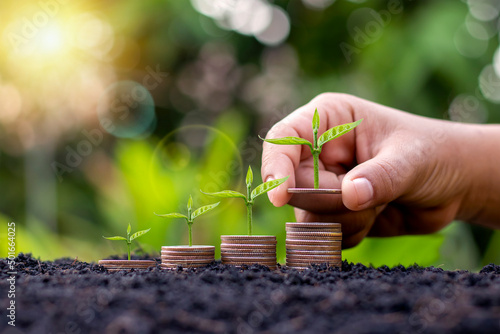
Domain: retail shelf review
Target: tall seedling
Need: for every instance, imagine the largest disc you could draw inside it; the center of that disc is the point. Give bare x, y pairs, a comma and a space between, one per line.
317, 143
251, 195
129, 237
190, 215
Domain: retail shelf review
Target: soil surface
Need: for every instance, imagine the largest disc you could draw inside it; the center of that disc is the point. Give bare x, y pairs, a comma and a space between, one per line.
68, 296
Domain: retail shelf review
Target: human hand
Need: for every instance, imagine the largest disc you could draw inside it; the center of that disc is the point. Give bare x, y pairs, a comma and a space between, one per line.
399, 173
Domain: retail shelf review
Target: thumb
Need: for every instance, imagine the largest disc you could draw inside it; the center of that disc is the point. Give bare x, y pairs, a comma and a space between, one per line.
377, 181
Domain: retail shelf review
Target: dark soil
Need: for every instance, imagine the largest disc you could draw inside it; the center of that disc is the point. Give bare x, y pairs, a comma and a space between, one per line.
67, 296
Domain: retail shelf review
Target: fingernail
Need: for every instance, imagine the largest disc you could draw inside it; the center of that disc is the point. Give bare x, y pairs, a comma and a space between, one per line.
364, 190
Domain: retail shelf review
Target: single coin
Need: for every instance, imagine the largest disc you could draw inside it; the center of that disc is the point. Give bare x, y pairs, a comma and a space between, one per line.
270, 266
334, 247
248, 237
128, 266
112, 270
127, 262
312, 253
248, 258
169, 261
256, 243
314, 239
313, 191
125, 268
267, 262
163, 253
175, 266
314, 234
313, 260
312, 256
243, 261
306, 264
321, 242
252, 239
197, 248
189, 257
247, 246
300, 229
248, 251
245, 257
319, 225
309, 268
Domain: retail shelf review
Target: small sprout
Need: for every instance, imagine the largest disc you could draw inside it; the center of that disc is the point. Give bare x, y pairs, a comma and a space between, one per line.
318, 143
129, 237
251, 195
190, 215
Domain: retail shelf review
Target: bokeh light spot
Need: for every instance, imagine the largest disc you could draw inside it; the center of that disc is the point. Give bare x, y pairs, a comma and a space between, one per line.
126, 110
317, 4
468, 109
10, 103
467, 45
484, 10
489, 84
277, 31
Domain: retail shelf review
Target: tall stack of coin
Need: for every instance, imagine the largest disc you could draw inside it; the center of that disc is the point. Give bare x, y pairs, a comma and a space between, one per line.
313, 243
115, 265
186, 256
248, 249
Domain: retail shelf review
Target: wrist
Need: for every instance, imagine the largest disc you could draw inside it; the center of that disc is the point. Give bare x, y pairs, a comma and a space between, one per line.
480, 156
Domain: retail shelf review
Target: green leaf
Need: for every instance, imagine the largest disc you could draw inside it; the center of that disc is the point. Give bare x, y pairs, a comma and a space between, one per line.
315, 123
265, 187
172, 215
190, 202
129, 229
115, 238
288, 141
138, 234
249, 179
226, 194
204, 209
336, 132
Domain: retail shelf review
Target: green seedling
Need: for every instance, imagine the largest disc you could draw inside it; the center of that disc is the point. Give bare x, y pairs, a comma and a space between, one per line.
190, 215
318, 143
129, 237
251, 195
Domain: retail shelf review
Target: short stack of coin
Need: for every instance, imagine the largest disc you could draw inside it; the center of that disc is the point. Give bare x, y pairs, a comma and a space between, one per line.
115, 265
186, 256
313, 243
248, 249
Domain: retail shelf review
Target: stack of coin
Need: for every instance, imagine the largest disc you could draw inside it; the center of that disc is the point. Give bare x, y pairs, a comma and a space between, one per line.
248, 249
313, 243
186, 256
115, 265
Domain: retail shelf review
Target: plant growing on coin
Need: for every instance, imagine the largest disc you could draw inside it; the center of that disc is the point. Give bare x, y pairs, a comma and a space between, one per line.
317, 143
251, 194
190, 215
129, 237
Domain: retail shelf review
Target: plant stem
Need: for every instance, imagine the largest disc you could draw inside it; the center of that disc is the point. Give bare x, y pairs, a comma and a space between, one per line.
315, 153
249, 218
190, 234
128, 247
316, 169
249, 203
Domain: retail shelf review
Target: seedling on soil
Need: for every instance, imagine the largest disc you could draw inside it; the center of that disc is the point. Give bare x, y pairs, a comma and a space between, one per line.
190, 215
129, 237
317, 143
251, 195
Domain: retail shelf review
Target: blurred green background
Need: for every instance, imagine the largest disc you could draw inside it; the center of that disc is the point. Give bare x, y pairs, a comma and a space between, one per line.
110, 111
